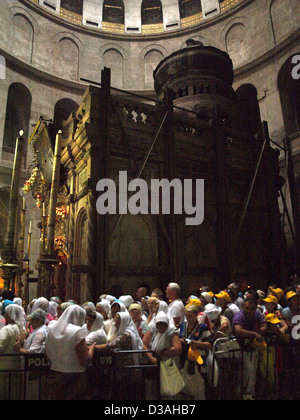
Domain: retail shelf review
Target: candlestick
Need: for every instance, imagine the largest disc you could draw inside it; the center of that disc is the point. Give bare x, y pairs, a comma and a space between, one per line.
24, 203
44, 210
30, 228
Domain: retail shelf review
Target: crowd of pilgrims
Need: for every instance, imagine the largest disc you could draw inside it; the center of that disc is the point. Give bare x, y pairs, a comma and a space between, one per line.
71, 334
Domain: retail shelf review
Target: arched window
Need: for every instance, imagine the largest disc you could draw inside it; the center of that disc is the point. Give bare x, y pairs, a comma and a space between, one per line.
63, 109
113, 59
152, 12
75, 6
289, 90
113, 11
17, 117
189, 8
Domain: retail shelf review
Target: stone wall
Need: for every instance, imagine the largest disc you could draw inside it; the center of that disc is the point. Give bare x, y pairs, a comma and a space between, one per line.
49, 53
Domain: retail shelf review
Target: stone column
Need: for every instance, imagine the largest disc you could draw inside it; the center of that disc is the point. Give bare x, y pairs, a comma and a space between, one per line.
50, 259
10, 252
53, 193
71, 232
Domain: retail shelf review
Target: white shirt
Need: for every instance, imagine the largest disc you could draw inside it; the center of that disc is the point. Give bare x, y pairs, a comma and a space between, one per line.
176, 310
98, 337
35, 343
63, 355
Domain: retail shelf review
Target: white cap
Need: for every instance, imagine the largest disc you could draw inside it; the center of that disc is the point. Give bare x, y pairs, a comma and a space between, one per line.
212, 311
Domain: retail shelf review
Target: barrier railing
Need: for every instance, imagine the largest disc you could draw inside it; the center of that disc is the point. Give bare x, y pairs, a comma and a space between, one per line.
23, 376
238, 362
139, 381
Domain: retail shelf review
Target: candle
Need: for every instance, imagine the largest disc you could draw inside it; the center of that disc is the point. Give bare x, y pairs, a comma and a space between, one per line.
30, 228
44, 210
24, 205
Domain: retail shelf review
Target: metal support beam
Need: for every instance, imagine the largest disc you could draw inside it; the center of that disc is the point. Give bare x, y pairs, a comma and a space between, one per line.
248, 197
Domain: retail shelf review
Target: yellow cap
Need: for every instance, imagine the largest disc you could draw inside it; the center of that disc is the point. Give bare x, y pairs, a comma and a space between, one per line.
273, 319
271, 299
291, 294
223, 295
195, 302
195, 356
278, 292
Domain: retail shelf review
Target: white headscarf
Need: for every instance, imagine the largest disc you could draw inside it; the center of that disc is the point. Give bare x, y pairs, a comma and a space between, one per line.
52, 308
71, 321
127, 300
121, 305
105, 304
160, 341
18, 301
110, 298
29, 307
127, 324
98, 323
42, 303
163, 306
97, 333
16, 314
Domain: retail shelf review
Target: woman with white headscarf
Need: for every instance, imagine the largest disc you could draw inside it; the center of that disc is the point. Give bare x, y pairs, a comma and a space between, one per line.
127, 300
116, 307
15, 321
94, 326
125, 337
43, 304
52, 309
103, 307
163, 339
35, 342
69, 355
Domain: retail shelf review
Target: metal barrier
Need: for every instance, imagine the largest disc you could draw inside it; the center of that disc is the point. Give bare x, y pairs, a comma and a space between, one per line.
138, 381
238, 360
23, 376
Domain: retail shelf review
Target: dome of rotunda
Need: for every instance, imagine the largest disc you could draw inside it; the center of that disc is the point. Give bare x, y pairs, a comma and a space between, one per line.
133, 17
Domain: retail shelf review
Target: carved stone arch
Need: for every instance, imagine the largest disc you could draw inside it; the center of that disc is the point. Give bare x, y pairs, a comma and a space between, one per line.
69, 53
80, 252
158, 47
115, 46
112, 56
25, 53
234, 35
151, 55
281, 22
17, 116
